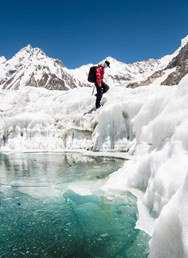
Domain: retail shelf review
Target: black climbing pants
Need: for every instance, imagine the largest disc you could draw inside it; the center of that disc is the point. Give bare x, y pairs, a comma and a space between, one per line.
100, 91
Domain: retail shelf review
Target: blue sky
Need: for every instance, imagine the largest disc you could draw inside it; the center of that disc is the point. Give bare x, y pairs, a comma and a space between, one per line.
79, 32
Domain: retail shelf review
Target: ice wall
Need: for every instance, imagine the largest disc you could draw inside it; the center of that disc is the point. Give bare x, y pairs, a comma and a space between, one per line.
170, 236
159, 170
114, 130
38, 119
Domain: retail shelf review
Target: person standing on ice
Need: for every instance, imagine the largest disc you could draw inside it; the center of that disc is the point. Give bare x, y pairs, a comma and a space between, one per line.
101, 86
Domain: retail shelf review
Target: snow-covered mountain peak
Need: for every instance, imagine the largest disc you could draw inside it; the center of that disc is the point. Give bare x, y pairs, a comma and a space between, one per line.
27, 48
32, 67
28, 54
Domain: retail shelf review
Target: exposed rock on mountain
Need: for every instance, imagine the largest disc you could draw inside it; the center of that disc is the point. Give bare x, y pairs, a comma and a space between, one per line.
31, 67
175, 70
180, 62
148, 81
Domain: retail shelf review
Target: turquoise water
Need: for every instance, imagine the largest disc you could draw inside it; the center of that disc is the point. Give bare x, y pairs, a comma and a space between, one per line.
51, 205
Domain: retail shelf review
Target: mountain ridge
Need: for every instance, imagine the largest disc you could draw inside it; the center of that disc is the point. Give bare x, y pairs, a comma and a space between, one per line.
32, 67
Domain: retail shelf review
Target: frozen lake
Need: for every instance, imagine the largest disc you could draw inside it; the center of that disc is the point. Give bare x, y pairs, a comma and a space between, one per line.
51, 205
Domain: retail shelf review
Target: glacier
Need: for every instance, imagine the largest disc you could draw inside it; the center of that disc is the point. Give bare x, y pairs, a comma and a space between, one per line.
146, 125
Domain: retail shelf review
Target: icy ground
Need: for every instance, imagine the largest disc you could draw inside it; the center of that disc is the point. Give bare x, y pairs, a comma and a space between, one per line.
148, 124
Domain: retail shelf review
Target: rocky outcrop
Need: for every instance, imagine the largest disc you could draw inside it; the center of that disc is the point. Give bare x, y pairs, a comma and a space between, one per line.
31, 67
180, 62
148, 81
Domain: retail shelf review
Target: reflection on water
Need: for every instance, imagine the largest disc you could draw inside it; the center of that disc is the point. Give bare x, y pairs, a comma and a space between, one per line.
51, 206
